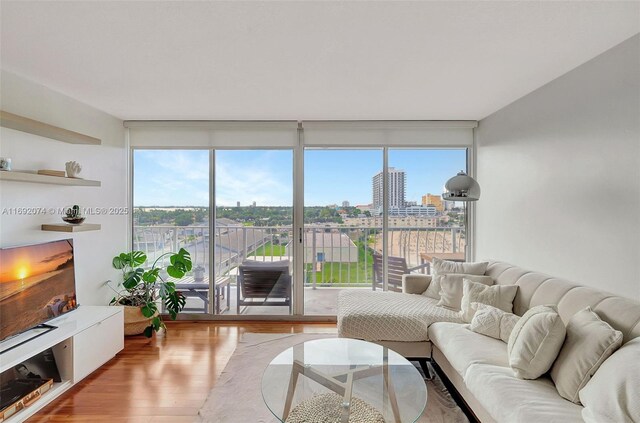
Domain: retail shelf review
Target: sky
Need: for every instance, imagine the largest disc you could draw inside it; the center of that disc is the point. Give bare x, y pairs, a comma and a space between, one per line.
181, 177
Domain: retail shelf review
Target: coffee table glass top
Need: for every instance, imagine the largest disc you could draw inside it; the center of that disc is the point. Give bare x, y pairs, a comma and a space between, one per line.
344, 379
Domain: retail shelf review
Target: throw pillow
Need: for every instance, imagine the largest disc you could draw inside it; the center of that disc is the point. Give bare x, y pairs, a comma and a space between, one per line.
589, 342
434, 288
535, 342
444, 266
612, 393
500, 296
493, 322
451, 288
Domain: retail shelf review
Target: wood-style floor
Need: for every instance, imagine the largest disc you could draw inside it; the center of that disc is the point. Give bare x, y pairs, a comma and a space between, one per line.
164, 379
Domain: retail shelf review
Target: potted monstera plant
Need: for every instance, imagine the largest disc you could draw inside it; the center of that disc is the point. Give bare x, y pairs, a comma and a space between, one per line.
142, 288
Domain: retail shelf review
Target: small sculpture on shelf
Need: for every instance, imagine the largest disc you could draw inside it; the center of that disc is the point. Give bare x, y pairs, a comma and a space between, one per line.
73, 169
5, 163
73, 215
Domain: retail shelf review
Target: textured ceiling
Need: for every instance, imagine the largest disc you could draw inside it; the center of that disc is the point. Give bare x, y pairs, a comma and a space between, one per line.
305, 60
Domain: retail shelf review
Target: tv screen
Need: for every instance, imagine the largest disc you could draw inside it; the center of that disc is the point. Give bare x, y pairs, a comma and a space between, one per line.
37, 283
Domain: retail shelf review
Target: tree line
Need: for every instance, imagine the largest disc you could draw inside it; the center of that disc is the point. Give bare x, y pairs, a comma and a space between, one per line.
247, 215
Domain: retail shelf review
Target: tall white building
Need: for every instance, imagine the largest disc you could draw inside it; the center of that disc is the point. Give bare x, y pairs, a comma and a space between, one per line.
397, 185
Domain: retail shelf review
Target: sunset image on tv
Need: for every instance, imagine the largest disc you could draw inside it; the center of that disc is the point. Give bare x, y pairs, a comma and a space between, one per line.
37, 283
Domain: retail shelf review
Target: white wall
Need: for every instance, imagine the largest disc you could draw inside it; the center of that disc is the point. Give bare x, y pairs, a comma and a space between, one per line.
107, 163
560, 176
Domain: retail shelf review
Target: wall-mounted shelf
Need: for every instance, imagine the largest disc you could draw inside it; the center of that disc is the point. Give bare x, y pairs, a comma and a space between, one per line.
46, 179
20, 123
65, 227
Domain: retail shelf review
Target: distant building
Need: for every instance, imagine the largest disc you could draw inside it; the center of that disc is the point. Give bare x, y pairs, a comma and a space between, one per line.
364, 207
253, 204
414, 211
397, 189
238, 204
410, 203
345, 204
433, 200
398, 221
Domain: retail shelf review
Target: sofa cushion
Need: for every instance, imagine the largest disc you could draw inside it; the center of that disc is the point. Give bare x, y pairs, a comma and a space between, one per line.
499, 296
589, 342
493, 322
388, 316
510, 399
464, 348
612, 393
535, 342
444, 266
451, 288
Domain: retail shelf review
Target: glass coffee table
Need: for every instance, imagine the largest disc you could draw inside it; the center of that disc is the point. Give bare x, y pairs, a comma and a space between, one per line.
343, 380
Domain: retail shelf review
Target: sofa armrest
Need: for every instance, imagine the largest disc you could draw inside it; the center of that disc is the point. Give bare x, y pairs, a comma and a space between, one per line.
415, 283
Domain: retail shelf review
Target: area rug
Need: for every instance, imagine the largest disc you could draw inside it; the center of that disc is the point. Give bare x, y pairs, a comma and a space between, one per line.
237, 395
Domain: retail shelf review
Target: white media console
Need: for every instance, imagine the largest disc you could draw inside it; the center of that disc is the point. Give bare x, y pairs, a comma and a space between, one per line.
84, 340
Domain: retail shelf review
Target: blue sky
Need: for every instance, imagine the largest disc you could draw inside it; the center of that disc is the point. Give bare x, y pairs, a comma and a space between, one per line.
181, 177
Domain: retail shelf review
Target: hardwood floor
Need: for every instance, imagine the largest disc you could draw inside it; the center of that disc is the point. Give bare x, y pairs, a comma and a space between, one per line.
164, 379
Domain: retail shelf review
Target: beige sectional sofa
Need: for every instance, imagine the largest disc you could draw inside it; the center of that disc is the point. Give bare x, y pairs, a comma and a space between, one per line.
477, 365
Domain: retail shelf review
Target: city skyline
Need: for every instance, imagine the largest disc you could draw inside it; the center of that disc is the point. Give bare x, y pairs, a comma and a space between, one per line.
181, 177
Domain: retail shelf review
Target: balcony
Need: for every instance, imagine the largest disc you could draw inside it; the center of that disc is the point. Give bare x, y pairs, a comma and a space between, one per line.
335, 257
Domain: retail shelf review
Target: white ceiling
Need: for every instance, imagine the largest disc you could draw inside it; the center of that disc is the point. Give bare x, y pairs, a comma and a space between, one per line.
305, 60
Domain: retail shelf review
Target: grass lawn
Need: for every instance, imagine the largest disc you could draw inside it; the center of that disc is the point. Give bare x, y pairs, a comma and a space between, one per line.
270, 250
353, 273
347, 272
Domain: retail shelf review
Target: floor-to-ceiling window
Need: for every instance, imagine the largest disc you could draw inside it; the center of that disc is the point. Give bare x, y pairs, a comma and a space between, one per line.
280, 217
171, 211
341, 225
420, 224
254, 231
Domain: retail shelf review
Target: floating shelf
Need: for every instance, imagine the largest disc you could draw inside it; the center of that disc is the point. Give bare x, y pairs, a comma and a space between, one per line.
65, 227
20, 123
46, 179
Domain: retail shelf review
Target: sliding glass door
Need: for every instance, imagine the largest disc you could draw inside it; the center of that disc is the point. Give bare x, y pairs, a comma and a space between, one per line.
253, 239
341, 225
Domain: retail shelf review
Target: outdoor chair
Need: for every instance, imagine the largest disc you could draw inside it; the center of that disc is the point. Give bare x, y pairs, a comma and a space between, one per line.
264, 284
397, 266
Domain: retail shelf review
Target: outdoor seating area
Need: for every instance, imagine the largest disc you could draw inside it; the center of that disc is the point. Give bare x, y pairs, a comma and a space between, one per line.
266, 284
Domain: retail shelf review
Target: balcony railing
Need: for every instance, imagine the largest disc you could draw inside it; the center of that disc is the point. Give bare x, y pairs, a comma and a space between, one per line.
333, 256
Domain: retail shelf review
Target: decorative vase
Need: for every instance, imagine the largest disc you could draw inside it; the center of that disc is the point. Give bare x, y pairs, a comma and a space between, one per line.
134, 322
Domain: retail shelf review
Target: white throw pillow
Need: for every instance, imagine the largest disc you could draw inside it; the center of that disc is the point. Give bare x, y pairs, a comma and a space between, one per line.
493, 322
613, 393
440, 267
451, 288
589, 342
500, 296
535, 342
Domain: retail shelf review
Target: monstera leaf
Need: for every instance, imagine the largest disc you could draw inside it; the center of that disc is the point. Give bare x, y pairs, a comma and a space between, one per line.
132, 278
180, 264
175, 302
132, 259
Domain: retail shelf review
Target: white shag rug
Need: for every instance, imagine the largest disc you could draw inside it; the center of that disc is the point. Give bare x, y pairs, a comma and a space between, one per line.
237, 396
